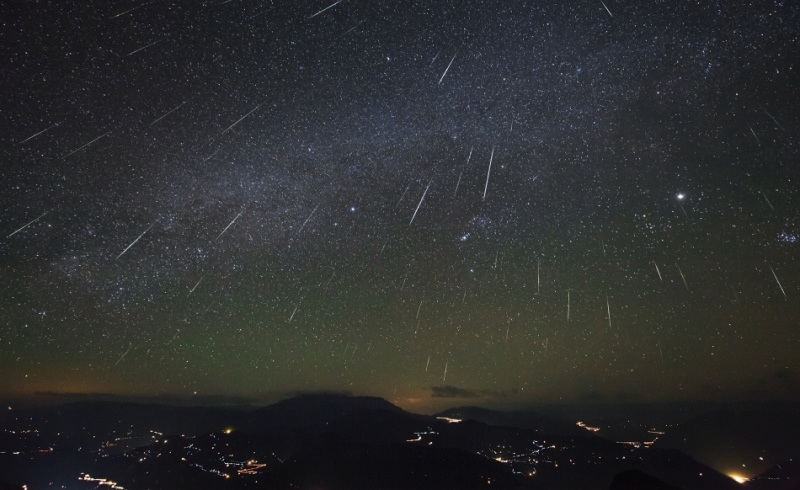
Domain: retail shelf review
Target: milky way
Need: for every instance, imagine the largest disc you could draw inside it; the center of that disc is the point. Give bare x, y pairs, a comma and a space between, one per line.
513, 201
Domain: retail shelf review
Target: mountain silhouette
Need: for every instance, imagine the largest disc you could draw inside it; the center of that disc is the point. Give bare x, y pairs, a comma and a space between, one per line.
522, 419
327, 441
637, 480
783, 476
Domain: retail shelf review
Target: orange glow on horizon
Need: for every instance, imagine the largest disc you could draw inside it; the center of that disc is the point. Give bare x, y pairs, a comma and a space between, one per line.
738, 478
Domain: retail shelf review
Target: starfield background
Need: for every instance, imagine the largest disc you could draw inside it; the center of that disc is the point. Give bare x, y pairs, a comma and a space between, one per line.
506, 204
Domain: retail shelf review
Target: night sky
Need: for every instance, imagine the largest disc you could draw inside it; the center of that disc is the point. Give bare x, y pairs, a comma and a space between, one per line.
439, 203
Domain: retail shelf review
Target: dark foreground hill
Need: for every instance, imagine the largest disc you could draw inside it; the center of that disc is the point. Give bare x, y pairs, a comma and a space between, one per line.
325, 441
782, 476
636, 480
756, 438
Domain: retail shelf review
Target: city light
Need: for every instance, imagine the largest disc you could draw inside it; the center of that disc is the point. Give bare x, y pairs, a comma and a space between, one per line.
584, 426
738, 478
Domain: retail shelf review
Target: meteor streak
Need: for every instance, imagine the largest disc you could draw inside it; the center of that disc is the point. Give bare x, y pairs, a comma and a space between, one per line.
488, 172
326, 8
26, 225
420, 201
231, 223
137, 239
446, 69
